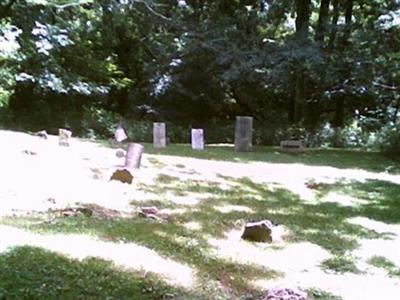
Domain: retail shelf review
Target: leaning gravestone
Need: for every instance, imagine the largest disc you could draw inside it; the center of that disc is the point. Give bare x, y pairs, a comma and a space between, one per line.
243, 134
159, 135
133, 158
120, 134
197, 139
63, 137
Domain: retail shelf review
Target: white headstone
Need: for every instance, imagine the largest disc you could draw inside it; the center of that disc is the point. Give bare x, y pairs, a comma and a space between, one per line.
64, 136
120, 134
197, 139
159, 135
133, 156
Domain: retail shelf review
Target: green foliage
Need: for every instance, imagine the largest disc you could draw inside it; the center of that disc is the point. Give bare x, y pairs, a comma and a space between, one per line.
200, 65
34, 273
390, 140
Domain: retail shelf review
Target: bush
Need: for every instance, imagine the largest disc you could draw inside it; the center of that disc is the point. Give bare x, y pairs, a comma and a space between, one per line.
389, 139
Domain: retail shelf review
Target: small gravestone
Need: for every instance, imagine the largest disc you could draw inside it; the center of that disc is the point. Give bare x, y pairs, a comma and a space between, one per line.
197, 139
42, 134
133, 159
159, 135
292, 146
63, 137
123, 175
120, 134
260, 231
243, 134
285, 293
120, 153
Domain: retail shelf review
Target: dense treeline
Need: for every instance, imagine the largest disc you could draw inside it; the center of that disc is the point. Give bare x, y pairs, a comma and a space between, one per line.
327, 70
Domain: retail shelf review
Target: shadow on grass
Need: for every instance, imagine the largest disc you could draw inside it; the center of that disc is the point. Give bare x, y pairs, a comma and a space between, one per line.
34, 273
172, 240
343, 159
322, 223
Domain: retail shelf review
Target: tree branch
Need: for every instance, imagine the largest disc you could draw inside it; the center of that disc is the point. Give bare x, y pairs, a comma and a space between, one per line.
149, 8
73, 4
385, 86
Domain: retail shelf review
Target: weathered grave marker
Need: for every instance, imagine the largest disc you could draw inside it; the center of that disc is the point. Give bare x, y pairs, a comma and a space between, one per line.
120, 153
120, 134
159, 135
133, 159
258, 231
292, 146
42, 134
133, 156
64, 136
197, 139
243, 134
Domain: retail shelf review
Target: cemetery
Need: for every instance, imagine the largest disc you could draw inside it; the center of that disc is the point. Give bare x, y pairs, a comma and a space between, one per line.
202, 220
199, 150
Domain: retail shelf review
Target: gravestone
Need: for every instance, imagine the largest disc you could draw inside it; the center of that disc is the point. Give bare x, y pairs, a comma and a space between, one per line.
159, 135
63, 137
260, 231
292, 146
285, 293
42, 134
243, 134
197, 139
133, 158
120, 134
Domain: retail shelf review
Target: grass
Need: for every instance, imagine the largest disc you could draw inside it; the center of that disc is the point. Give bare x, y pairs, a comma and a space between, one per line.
338, 158
34, 273
27, 273
340, 264
323, 224
386, 264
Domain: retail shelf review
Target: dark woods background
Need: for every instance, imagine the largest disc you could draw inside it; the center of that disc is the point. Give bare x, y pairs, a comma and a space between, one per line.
327, 71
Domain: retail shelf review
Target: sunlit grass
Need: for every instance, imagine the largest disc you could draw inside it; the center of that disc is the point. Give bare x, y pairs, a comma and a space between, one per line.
386, 264
338, 158
205, 211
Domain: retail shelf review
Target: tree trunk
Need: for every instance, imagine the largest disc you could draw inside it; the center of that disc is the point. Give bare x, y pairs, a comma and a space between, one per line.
303, 17
302, 30
299, 96
334, 22
348, 17
344, 43
322, 22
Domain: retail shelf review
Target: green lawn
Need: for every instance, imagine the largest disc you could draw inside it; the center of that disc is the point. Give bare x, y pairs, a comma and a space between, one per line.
34, 273
338, 158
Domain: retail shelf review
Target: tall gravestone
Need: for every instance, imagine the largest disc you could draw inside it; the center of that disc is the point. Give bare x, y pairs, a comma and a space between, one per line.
159, 135
243, 134
133, 156
197, 139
